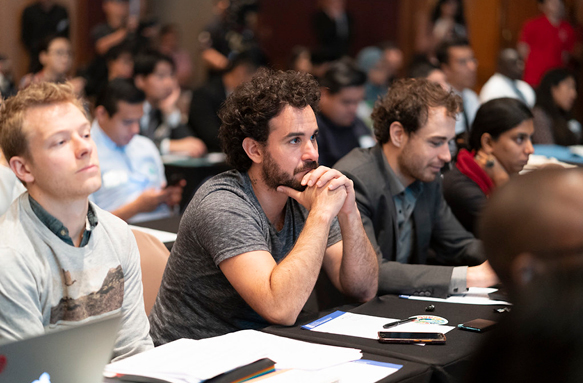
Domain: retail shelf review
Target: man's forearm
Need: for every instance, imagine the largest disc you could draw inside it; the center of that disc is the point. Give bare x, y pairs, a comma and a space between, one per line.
293, 279
359, 271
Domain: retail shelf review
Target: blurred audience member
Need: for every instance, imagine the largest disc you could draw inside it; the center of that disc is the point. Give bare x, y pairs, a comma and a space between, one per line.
133, 181
119, 62
460, 67
506, 82
118, 26
533, 224
7, 86
546, 41
446, 22
555, 97
371, 61
208, 99
320, 63
340, 130
333, 28
393, 56
300, 59
424, 69
56, 58
213, 39
154, 74
39, 20
541, 340
170, 46
499, 147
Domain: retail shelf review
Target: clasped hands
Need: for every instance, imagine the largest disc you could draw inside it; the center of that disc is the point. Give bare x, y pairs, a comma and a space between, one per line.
327, 190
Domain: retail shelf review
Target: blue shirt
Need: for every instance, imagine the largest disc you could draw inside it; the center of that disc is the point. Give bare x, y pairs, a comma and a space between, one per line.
126, 172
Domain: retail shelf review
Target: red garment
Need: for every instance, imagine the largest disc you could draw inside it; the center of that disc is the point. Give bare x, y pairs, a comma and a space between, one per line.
468, 166
547, 44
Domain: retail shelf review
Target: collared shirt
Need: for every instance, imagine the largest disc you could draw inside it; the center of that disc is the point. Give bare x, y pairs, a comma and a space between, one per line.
499, 86
126, 172
57, 227
471, 104
159, 132
405, 199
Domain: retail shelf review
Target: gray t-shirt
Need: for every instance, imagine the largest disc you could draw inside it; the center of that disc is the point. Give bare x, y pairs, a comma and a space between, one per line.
223, 220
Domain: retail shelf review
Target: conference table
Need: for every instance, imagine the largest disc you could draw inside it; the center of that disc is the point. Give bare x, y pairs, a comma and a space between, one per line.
446, 363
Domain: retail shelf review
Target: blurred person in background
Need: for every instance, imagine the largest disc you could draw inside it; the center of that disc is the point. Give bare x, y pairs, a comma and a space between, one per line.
506, 82
499, 147
555, 97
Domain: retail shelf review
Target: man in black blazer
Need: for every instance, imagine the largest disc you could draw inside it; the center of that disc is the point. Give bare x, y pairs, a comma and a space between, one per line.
398, 192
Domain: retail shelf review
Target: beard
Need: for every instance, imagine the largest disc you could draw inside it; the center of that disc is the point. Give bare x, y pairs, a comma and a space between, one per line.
274, 176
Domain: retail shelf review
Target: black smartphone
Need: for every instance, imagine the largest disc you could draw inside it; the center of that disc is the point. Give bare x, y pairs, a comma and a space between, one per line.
477, 325
174, 179
411, 337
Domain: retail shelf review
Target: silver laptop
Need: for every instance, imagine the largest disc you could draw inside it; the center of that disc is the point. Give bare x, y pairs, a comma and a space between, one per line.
73, 355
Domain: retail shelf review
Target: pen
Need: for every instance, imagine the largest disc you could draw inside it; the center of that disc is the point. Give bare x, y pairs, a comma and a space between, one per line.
396, 323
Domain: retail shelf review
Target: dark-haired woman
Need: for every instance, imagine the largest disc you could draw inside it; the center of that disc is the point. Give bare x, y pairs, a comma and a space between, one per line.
554, 100
500, 144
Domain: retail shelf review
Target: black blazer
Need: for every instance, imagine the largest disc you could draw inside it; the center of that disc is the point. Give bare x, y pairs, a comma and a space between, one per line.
435, 228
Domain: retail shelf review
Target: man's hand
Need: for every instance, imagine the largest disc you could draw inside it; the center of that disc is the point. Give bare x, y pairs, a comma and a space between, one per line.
325, 191
174, 193
322, 174
192, 146
150, 199
168, 105
481, 276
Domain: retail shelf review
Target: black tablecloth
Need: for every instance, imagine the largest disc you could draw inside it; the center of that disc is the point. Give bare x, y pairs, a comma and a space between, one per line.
448, 362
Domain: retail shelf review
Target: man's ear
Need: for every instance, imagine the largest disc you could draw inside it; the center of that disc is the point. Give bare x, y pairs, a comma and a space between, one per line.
19, 166
253, 149
486, 141
398, 135
42, 58
100, 115
139, 81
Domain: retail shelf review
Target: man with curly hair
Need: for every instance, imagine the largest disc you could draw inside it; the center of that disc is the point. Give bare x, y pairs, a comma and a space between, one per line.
398, 192
253, 240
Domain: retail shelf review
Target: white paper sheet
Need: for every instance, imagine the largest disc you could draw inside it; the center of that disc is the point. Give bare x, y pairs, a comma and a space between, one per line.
367, 326
474, 296
359, 371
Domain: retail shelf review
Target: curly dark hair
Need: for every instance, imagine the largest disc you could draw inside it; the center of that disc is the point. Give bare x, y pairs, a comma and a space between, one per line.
408, 102
248, 110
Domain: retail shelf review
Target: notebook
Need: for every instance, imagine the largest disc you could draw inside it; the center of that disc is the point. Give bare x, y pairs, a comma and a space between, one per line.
73, 355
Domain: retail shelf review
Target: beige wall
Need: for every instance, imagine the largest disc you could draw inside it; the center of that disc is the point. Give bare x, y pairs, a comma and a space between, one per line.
10, 31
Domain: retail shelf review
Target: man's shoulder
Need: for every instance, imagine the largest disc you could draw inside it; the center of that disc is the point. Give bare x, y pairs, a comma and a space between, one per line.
114, 227
227, 187
144, 145
358, 160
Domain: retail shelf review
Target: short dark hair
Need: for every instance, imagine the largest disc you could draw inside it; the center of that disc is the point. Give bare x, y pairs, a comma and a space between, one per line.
342, 74
119, 90
408, 102
45, 43
115, 52
496, 117
442, 52
245, 58
422, 69
248, 110
145, 63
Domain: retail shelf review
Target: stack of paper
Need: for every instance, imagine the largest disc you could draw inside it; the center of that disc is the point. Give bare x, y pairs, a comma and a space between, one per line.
192, 361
